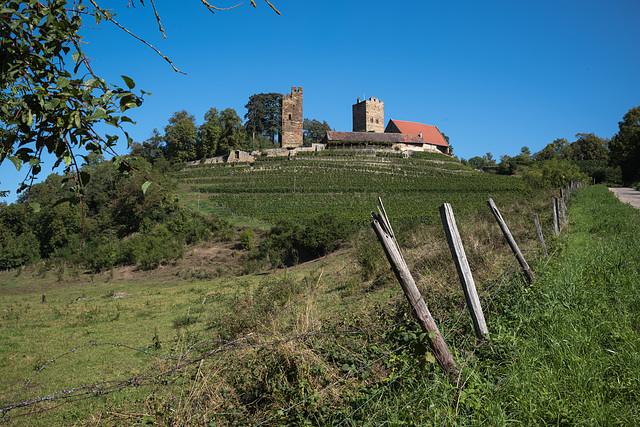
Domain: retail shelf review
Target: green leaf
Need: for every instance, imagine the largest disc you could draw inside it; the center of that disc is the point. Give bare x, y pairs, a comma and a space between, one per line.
146, 186
99, 113
35, 206
16, 162
67, 158
129, 82
62, 82
433, 335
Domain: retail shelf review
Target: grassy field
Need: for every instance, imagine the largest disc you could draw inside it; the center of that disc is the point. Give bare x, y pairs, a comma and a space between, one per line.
329, 342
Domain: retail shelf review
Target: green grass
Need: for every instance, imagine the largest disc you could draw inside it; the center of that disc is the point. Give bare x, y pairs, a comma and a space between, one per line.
564, 351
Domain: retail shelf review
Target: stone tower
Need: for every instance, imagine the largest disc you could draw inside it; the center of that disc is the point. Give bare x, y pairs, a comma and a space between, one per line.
368, 116
292, 118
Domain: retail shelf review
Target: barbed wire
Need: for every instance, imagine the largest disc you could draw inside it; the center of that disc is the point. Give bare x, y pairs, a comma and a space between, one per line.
252, 341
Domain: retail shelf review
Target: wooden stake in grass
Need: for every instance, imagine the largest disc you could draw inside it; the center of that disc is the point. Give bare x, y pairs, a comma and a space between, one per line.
511, 241
382, 227
464, 272
540, 235
556, 222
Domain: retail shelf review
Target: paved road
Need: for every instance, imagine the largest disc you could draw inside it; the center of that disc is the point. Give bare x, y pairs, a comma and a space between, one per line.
628, 195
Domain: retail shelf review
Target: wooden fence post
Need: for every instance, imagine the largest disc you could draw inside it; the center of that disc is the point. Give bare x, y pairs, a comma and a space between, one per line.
556, 222
383, 230
540, 235
464, 272
511, 241
563, 210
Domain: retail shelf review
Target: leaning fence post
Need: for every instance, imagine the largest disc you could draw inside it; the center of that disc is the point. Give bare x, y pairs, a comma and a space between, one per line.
382, 227
540, 235
563, 210
464, 272
511, 241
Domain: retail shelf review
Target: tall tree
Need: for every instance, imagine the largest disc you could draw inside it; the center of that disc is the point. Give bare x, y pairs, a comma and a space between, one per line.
209, 134
625, 146
554, 150
314, 130
264, 111
232, 136
588, 146
180, 137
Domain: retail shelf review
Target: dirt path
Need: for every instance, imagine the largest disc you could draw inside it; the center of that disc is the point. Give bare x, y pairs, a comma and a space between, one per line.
628, 195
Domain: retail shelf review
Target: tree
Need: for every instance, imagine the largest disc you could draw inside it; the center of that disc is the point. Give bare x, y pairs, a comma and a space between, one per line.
264, 111
524, 158
232, 136
180, 137
554, 150
151, 149
625, 146
209, 134
589, 147
314, 130
48, 103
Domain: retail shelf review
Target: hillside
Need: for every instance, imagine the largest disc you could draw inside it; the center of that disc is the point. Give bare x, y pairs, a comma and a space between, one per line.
208, 338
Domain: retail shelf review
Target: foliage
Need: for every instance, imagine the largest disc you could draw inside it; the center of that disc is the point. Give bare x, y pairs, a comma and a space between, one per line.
264, 111
313, 130
114, 223
483, 162
553, 173
625, 146
289, 242
180, 137
47, 104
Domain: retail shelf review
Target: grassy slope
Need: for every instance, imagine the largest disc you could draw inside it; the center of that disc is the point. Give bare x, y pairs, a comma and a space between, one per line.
551, 360
572, 341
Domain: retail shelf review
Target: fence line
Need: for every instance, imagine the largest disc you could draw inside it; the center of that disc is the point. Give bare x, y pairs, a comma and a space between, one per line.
251, 340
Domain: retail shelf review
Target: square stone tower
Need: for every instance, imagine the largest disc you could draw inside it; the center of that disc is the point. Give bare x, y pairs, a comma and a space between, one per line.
292, 118
368, 116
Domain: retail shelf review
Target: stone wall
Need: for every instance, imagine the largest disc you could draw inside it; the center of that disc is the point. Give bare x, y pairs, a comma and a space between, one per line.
368, 115
292, 118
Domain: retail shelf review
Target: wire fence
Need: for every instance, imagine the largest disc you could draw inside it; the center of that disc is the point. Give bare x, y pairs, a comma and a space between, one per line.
206, 349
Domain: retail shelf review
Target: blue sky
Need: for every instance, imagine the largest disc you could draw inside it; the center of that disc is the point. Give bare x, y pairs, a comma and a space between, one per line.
494, 76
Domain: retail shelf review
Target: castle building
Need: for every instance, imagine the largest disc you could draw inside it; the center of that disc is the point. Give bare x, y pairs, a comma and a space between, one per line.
292, 118
368, 115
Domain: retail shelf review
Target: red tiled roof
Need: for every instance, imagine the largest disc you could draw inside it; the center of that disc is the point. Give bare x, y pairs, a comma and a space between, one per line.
430, 134
333, 135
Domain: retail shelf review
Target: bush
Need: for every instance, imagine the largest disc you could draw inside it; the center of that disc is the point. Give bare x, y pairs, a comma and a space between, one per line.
552, 173
288, 241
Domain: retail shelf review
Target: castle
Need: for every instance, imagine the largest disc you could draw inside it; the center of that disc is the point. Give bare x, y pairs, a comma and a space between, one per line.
368, 128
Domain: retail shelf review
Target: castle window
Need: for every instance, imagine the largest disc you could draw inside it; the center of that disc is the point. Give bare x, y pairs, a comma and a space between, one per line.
289, 116
371, 119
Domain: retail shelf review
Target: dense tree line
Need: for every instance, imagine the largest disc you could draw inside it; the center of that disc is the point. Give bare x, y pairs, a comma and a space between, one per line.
109, 221
615, 160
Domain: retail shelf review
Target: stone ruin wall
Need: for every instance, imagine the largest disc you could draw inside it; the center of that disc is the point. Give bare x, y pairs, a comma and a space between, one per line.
292, 118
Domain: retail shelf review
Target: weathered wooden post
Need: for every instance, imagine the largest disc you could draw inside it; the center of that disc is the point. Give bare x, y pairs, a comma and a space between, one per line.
563, 210
540, 235
511, 241
383, 230
464, 272
556, 224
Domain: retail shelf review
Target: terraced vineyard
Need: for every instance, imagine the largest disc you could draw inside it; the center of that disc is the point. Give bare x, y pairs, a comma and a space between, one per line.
343, 184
